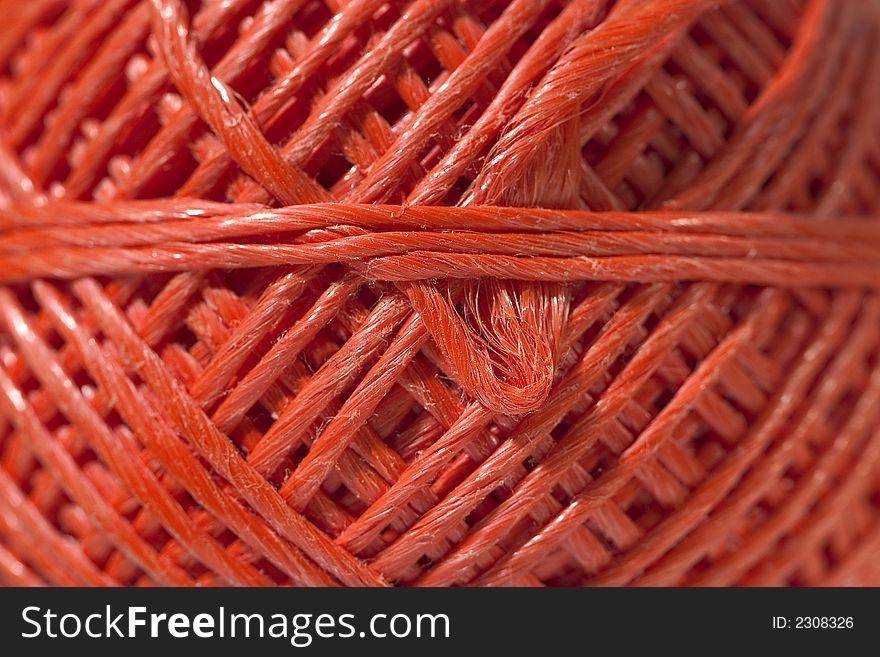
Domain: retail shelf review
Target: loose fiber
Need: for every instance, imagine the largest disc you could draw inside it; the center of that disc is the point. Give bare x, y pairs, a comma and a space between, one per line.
438, 292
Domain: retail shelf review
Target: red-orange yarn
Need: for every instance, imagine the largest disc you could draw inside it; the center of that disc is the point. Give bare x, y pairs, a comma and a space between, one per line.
440, 292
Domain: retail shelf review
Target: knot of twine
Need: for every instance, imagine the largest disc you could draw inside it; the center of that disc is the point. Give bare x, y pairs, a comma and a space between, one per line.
505, 267
508, 244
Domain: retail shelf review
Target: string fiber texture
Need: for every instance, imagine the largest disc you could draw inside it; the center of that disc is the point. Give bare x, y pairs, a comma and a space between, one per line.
440, 292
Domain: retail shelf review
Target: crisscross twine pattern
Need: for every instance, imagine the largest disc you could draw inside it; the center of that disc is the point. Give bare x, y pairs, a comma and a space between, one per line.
437, 292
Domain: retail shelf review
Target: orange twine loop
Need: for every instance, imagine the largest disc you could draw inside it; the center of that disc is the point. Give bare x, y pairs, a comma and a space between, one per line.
504, 345
439, 292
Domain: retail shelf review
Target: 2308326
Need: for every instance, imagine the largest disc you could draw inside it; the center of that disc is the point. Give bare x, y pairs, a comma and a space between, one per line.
823, 622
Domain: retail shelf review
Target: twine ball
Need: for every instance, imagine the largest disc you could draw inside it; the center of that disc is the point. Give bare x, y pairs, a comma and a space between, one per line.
440, 292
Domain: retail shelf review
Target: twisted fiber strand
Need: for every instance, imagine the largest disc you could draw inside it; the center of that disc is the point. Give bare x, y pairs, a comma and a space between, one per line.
343, 94
369, 452
268, 454
558, 530
321, 48
369, 449
270, 551
25, 108
760, 131
833, 462
813, 274
119, 455
758, 477
859, 479
162, 443
493, 45
601, 579
578, 74
237, 548
281, 432
618, 255
100, 72
192, 422
80, 489
62, 456
316, 580
228, 71
519, 444
582, 434
575, 17
32, 534
467, 423
217, 105
435, 483
139, 100
579, 507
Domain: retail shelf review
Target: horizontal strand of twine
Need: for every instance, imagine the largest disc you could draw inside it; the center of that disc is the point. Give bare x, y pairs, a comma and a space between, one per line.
398, 243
